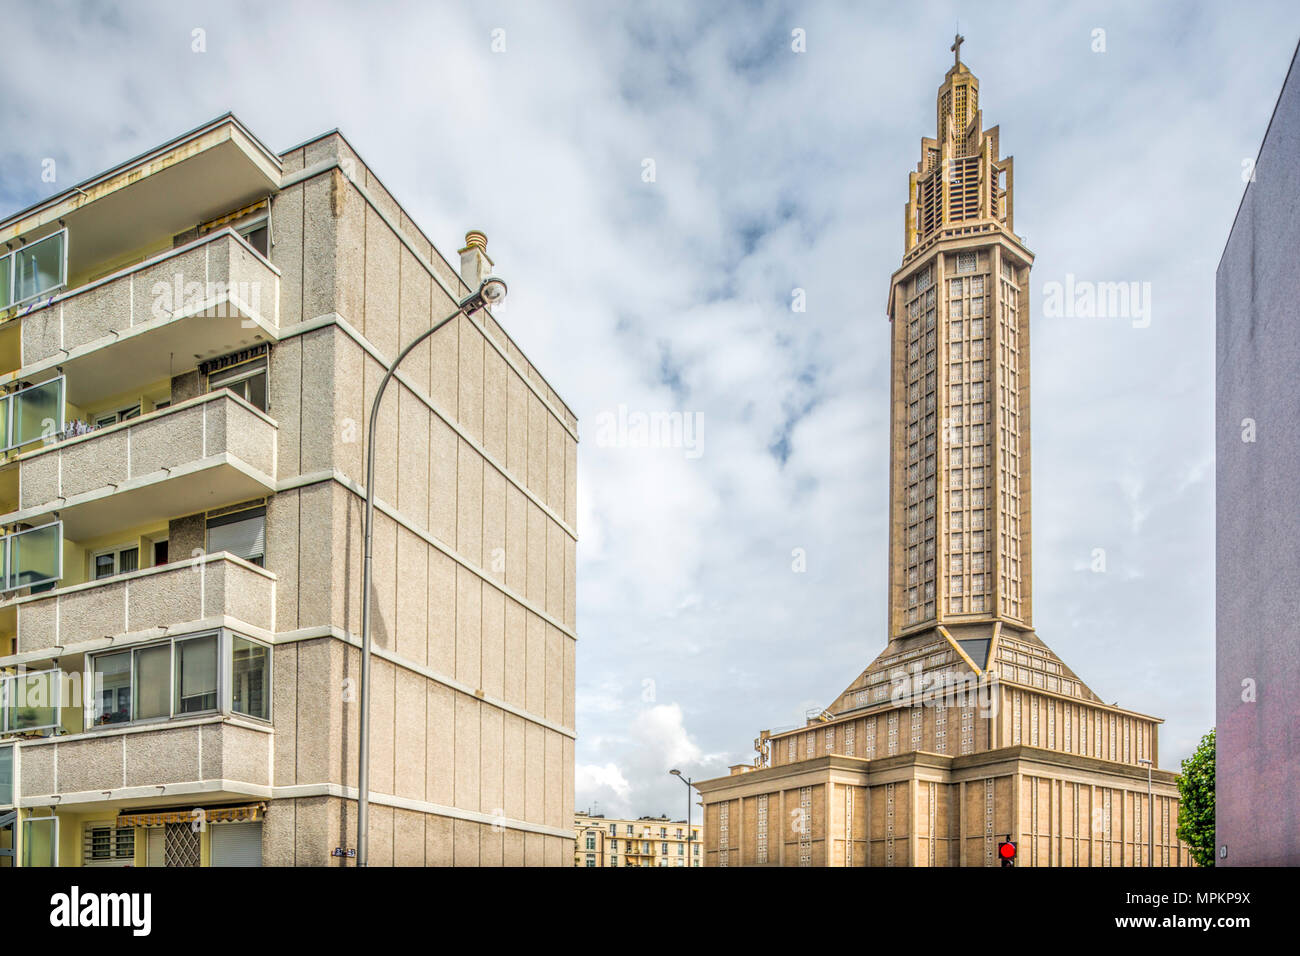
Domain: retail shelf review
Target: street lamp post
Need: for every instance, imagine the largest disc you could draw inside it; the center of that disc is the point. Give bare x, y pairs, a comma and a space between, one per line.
1151, 817
687, 781
490, 292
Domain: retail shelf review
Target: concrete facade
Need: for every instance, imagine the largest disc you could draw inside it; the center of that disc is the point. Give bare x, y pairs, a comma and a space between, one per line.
1257, 362
967, 729
474, 612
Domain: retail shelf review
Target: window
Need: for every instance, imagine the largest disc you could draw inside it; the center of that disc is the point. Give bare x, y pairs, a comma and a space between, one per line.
966, 262
121, 415
185, 676
591, 860
242, 533
663, 848
250, 678
6, 776
247, 380
258, 235
119, 560
153, 666
196, 675
108, 845
591, 842
36, 269
111, 674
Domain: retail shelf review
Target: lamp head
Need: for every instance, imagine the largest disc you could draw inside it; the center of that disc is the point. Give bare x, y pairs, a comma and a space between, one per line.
493, 290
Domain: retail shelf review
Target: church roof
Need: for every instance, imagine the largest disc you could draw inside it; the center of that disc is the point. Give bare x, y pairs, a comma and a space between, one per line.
961, 654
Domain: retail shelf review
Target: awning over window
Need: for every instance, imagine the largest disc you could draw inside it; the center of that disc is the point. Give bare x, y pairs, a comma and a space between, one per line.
157, 818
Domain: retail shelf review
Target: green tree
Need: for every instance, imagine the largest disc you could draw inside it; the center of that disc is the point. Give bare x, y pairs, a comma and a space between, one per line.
1196, 803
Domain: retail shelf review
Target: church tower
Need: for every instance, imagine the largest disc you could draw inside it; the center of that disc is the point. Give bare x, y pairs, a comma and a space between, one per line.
959, 480
966, 730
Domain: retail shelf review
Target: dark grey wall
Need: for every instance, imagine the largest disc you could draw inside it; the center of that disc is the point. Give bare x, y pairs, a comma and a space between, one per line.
1258, 508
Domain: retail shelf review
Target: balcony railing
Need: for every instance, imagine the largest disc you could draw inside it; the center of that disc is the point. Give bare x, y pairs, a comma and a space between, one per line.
204, 453
208, 297
207, 591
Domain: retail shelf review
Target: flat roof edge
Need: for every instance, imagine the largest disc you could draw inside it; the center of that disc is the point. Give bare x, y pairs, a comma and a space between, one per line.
172, 144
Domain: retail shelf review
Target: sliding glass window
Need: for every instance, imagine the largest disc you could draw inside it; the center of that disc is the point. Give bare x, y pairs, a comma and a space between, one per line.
192, 675
196, 675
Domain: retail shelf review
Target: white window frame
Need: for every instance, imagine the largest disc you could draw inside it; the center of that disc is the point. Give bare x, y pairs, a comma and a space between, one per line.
252, 367
256, 224
109, 419
116, 552
225, 683
9, 261
223, 644
226, 697
232, 517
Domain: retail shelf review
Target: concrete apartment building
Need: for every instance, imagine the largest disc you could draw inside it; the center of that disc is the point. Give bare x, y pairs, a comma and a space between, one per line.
967, 729
189, 344
646, 841
1257, 466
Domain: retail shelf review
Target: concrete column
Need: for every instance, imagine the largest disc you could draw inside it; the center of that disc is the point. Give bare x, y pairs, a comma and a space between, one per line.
740, 832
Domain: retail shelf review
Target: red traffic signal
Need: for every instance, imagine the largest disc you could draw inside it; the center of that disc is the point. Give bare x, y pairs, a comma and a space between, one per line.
1007, 851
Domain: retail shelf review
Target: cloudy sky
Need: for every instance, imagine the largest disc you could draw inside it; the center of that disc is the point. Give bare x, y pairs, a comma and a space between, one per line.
656, 180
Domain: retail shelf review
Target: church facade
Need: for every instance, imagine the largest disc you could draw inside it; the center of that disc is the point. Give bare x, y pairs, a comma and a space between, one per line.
967, 730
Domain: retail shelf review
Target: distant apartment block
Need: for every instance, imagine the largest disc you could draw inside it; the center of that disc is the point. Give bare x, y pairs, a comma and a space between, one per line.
646, 841
189, 344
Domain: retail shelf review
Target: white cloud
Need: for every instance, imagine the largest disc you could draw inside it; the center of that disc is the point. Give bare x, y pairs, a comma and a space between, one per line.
775, 171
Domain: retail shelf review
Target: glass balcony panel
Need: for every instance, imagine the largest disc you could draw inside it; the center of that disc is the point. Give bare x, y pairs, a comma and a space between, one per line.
31, 702
6, 265
38, 412
40, 841
6, 776
35, 556
39, 267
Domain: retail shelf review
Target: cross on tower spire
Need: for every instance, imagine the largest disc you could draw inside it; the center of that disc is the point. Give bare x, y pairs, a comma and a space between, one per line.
957, 41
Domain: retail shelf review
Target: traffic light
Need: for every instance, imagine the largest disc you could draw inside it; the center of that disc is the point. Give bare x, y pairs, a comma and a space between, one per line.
1007, 852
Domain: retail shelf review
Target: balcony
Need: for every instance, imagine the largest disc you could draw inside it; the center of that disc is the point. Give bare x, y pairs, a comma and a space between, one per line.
172, 598
147, 322
215, 756
204, 453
